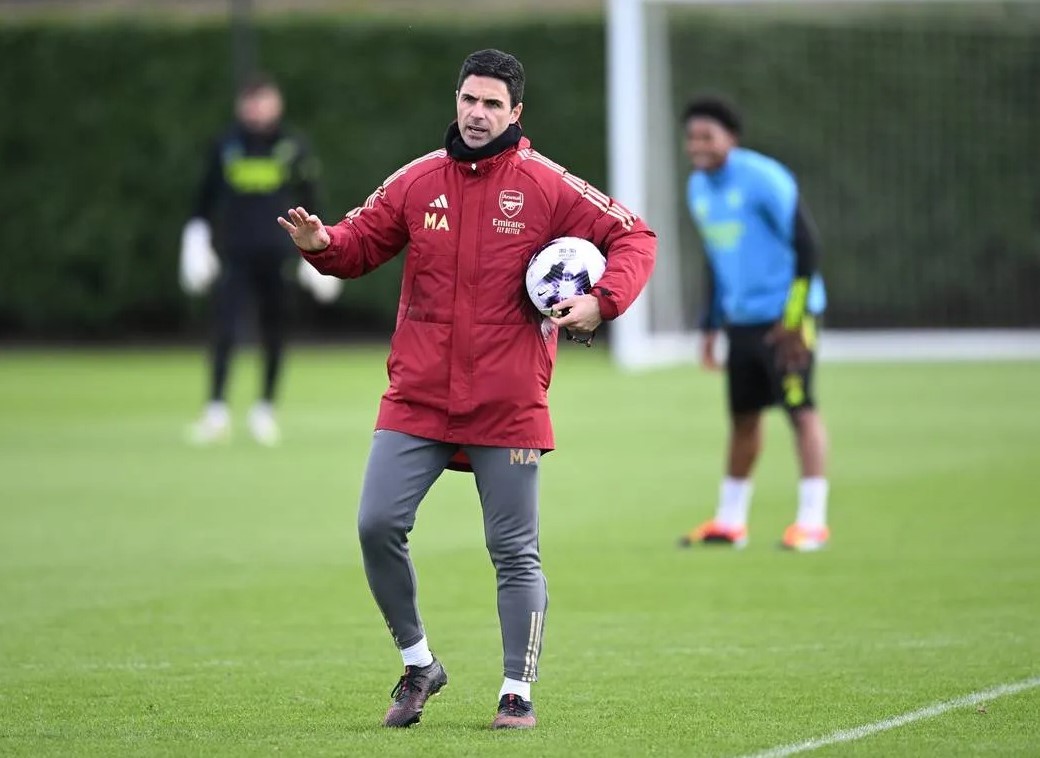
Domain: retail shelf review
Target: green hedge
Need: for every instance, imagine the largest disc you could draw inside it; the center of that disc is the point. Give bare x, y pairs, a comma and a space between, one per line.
105, 129
919, 161
915, 144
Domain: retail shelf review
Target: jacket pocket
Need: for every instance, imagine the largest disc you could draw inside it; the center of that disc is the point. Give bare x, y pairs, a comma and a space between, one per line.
420, 362
432, 294
511, 368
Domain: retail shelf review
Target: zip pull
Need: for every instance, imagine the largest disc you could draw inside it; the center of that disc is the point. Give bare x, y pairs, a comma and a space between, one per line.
474, 167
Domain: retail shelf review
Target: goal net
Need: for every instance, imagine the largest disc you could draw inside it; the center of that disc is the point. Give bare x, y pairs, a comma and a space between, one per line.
912, 129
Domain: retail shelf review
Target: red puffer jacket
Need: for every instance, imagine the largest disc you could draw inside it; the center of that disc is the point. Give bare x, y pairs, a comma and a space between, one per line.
469, 362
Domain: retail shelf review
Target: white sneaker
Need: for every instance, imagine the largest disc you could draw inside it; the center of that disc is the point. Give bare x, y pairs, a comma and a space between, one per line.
214, 426
262, 425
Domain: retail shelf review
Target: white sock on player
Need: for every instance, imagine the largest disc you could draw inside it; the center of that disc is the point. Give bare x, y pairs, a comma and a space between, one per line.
418, 655
812, 502
515, 687
734, 501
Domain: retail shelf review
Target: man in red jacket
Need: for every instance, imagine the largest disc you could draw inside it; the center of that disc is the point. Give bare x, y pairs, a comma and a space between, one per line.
471, 360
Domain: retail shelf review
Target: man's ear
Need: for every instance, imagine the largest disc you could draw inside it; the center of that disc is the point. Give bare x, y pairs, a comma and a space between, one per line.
515, 115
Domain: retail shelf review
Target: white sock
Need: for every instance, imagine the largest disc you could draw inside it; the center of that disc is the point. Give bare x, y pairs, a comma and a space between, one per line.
515, 687
418, 654
734, 500
812, 502
217, 412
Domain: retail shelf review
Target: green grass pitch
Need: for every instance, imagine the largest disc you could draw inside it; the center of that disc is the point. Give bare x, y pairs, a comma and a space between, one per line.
157, 599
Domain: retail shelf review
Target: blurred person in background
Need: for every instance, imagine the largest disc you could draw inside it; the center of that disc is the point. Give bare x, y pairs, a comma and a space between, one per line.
762, 285
255, 169
471, 360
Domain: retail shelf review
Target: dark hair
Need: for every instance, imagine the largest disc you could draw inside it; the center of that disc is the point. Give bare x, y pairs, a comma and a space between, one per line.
497, 65
717, 109
256, 82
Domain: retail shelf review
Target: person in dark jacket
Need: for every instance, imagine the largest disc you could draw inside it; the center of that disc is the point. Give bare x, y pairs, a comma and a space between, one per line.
254, 169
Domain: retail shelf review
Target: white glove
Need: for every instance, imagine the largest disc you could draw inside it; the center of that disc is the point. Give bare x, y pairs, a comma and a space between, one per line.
199, 265
324, 288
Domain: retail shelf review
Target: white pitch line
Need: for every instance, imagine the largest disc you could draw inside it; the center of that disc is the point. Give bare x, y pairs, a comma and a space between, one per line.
930, 711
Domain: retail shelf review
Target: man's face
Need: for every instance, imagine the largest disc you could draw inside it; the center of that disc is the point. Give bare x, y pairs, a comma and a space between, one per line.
260, 110
482, 105
707, 143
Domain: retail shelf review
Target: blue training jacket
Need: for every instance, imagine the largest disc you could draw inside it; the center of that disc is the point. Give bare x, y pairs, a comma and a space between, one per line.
745, 214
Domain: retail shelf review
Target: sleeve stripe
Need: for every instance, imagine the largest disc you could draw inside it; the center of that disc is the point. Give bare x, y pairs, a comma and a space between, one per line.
369, 203
794, 311
380, 191
601, 201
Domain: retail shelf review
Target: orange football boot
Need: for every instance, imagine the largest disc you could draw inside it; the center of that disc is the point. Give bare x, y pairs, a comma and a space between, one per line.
804, 539
713, 533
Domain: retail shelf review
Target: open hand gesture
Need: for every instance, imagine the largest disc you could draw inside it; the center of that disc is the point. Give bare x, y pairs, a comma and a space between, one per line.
306, 230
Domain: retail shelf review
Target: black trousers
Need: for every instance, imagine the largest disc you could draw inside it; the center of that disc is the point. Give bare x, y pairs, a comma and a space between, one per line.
256, 279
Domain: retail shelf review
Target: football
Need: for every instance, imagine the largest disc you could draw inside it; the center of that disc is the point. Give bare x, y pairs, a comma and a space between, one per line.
566, 267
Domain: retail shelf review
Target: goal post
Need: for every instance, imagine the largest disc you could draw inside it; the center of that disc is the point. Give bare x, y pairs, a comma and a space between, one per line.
638, 84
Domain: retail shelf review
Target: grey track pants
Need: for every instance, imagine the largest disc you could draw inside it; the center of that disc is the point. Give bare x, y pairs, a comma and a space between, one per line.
401, 469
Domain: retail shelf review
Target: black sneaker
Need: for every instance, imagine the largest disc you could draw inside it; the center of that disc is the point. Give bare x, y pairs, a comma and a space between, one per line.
514, 713
412, 691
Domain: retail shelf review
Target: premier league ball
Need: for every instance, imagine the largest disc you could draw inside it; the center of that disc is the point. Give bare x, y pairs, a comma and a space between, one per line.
566, 267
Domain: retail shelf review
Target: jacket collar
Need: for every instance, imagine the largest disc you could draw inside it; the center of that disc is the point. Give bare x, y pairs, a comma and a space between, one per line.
481, 158
257, 138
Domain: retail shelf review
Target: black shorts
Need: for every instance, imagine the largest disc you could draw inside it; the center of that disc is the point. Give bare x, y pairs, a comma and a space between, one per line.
754, 380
